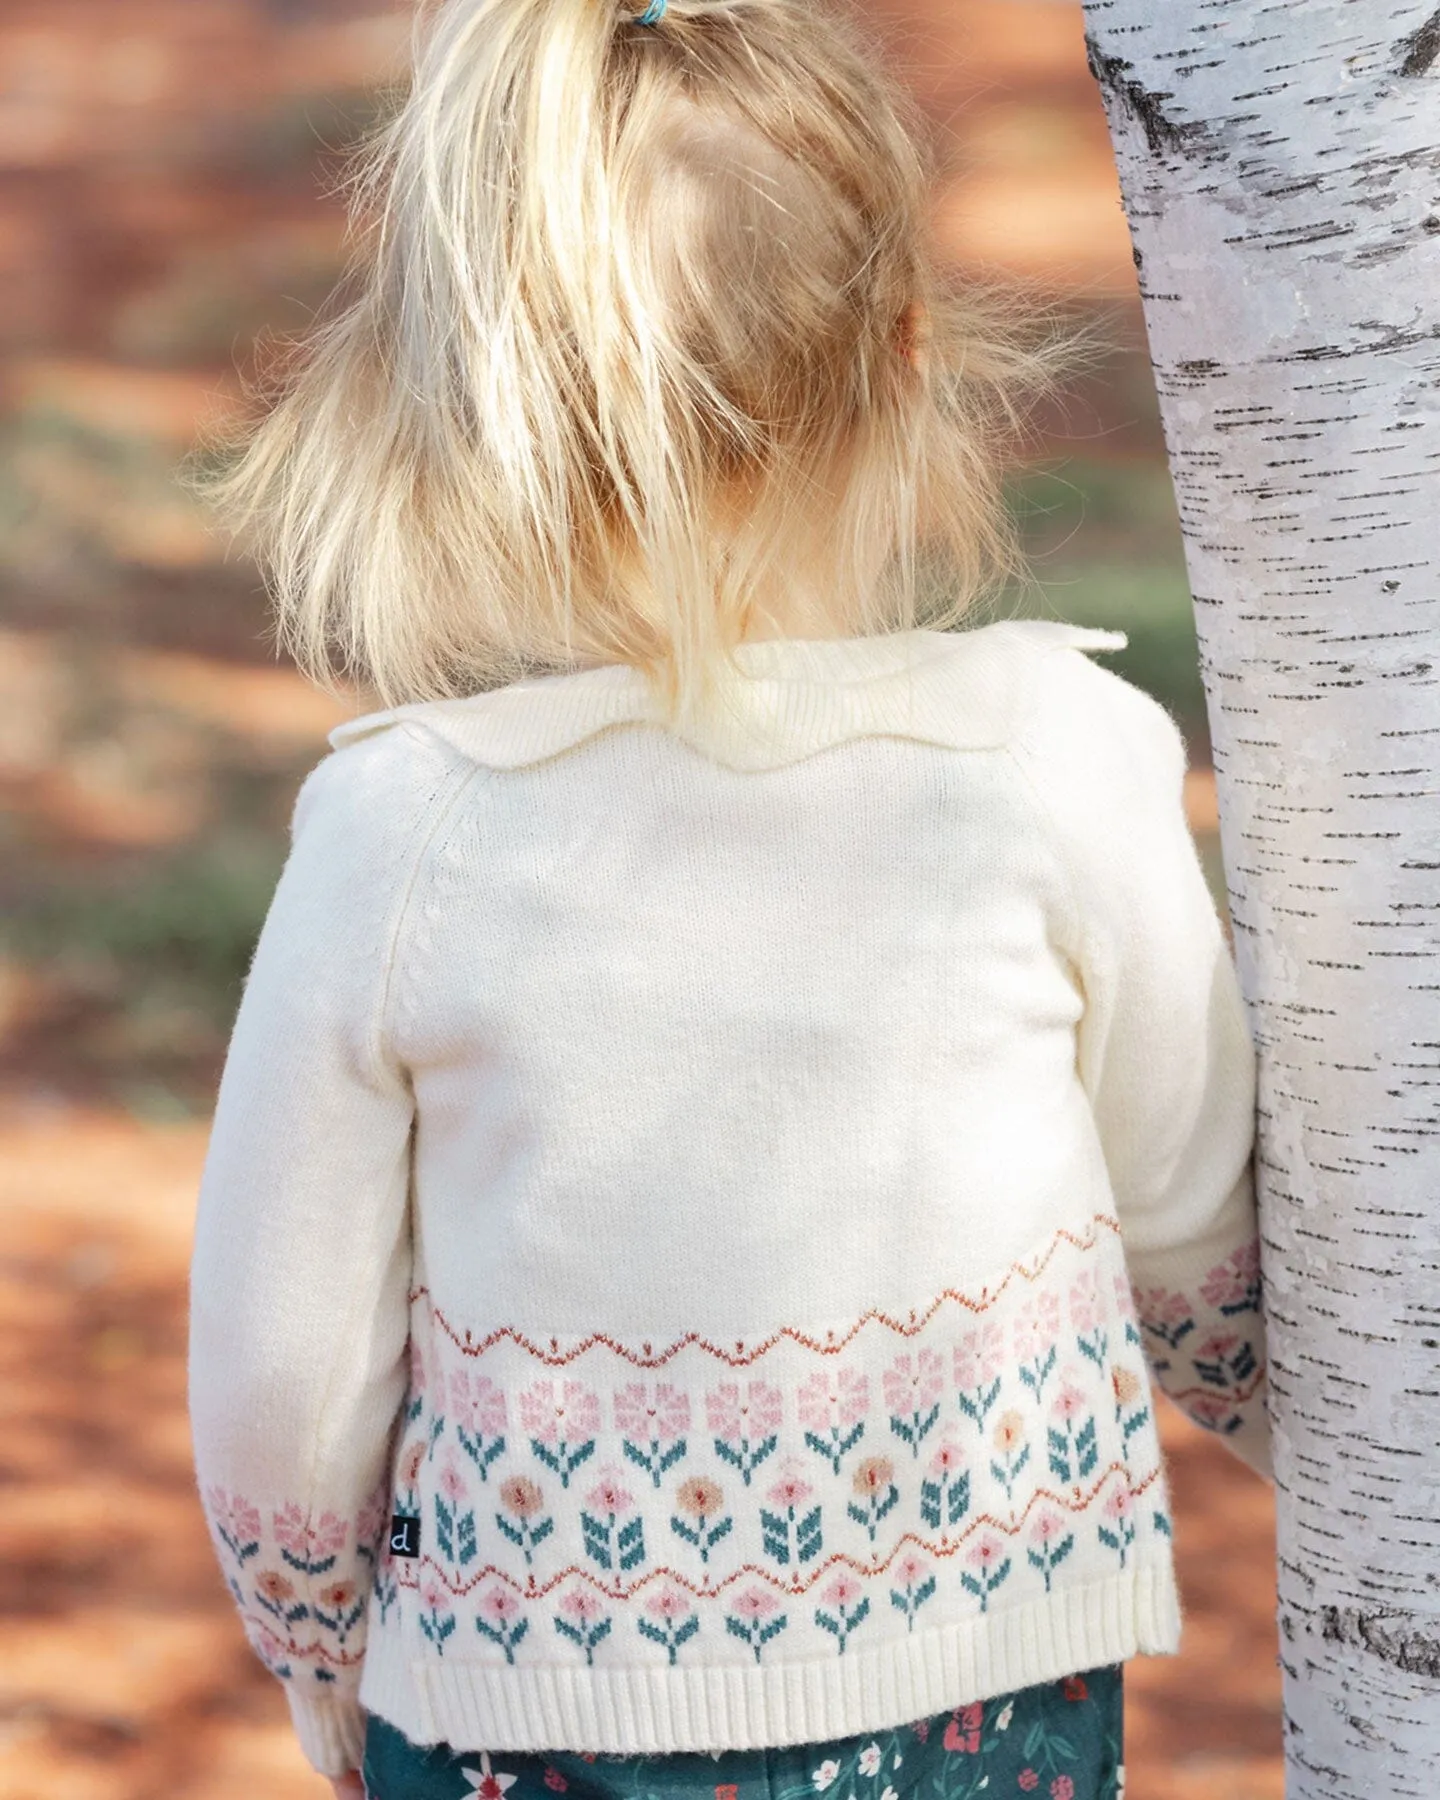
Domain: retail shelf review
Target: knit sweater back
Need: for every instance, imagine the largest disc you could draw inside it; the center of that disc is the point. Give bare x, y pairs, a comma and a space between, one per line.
690, 1220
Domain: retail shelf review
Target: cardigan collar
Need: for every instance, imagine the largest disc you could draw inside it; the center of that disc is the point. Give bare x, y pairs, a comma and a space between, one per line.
794, 696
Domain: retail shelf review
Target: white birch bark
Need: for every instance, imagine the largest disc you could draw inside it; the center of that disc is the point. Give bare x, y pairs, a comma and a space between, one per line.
1280, 161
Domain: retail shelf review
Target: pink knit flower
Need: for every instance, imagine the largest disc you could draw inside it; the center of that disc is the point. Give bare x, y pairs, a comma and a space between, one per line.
948, 1460
832, 1398
234, 1515
556, 1412
1069, 1403
789, 1490
913, 1384
499, 1605
1119, 1502
581, 1604
1084, 1301
1160, 1307
911, 1569
1234, 1283
609, 1496
660, 1414
985, 1552
752, 1412
477, 1404
371, 1522
668, 1604
1037, 1325
979, 1356
295, 1532
754, 1603
842, 1590
1046, 1528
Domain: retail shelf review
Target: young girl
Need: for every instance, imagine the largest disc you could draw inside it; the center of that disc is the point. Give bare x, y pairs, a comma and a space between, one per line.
724, 1044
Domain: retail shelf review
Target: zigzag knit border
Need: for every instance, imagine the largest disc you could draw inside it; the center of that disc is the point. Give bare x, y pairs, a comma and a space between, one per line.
647, 1357
1232, 1396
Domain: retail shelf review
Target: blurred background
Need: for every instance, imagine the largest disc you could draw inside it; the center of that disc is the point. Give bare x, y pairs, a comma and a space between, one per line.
167, 192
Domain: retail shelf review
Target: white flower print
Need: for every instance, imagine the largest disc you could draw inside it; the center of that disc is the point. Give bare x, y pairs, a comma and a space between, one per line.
869, 1763
825, 1774
889, 1794
487, 1785
1003, 1722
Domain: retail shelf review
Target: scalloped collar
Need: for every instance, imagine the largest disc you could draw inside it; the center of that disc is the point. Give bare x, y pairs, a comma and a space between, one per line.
794, 696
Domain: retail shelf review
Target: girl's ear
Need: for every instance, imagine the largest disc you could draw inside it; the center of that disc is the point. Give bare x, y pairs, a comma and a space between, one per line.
912, 336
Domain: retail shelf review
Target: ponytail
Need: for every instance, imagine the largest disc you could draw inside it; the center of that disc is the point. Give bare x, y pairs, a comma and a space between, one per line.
619, 375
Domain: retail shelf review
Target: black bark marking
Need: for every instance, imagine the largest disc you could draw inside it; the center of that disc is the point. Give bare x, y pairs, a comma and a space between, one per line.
1422, 46
1391, 1636
1161, 132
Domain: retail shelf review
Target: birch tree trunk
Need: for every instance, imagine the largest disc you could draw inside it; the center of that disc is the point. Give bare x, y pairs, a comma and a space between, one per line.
1280, 161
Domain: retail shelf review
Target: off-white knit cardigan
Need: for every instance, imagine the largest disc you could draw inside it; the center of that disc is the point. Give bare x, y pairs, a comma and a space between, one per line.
715, 1201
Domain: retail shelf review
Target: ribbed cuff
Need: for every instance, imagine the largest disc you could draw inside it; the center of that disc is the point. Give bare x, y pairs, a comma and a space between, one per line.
331, 1730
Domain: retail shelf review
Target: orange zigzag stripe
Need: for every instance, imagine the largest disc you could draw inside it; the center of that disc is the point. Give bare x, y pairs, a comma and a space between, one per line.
741, 1357
794, 1589
319, 1653
1237, 1396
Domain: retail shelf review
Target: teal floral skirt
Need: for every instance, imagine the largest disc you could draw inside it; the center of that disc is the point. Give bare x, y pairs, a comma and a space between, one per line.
1061, 1740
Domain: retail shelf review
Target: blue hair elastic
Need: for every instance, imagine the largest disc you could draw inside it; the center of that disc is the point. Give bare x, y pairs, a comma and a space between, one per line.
652, 14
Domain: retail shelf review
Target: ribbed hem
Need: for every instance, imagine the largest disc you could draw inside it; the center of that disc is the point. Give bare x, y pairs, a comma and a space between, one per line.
475, 1707
331, 1731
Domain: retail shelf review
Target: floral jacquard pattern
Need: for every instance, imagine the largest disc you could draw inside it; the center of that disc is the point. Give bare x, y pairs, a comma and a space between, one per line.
302, 1581
803, 1496
1206, 1348
806, 1495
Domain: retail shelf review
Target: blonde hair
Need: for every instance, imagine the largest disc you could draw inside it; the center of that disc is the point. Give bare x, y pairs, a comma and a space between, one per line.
621, 372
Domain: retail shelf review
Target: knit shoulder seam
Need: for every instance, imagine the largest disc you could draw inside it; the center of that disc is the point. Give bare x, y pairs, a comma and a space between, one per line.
425, 830
460, 778
1022, 756
1076, 941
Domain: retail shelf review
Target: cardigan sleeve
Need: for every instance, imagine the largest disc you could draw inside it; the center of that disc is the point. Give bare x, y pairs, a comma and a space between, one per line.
1163, 1047
301, 1263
